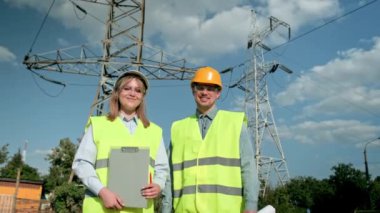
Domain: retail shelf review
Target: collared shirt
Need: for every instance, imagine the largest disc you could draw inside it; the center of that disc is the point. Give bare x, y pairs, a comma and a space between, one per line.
205, 120
251, 185
85, 159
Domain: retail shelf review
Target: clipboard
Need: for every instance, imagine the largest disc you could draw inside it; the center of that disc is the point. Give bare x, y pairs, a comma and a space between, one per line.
128, 171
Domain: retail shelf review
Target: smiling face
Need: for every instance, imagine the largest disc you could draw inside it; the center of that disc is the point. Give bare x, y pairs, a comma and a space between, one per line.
131, 94
205, 95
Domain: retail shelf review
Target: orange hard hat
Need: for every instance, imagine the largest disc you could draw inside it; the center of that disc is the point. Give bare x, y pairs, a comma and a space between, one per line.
207, 75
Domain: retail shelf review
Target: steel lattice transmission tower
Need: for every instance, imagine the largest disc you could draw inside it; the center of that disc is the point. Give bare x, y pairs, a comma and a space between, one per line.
261, 121
123, 49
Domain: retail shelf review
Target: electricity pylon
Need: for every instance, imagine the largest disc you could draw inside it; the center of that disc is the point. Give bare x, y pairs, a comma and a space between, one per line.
123, 49
261, 123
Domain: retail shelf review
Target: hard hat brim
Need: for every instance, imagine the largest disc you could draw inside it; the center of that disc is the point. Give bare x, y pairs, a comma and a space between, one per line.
135, 73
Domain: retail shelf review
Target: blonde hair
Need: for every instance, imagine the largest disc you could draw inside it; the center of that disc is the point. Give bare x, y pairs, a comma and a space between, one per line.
114, 103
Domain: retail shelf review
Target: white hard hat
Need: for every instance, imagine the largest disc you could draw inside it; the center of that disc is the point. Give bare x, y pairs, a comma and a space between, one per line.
135, 73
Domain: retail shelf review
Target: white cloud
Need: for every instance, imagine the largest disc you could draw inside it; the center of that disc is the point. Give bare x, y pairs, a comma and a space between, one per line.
210, 29
42, 151
358, 100
197, 30
200, 31
72, 18
372, 142
298, 13
63, 42
346, 88
330, 131
344, 85
6, 55
205, 29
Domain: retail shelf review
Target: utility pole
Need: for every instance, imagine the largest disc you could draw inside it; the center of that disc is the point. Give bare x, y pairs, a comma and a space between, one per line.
366, 170
14, 203
261, 123
365, 158
18, 177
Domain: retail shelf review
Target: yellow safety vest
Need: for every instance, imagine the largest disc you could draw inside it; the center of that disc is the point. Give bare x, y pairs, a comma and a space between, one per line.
207, 172
113, 134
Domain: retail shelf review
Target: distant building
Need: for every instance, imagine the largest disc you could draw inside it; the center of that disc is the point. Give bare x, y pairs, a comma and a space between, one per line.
28, 196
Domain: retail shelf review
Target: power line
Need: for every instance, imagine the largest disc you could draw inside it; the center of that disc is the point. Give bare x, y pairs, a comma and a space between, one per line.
52, 81
329, 80
316, 28
42, 24
325, 24
84, 11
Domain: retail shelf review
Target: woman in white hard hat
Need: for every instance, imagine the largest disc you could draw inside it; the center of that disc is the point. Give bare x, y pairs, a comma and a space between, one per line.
126, 125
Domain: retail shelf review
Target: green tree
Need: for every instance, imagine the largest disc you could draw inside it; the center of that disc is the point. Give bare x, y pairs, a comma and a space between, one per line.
301, 190
65, 197
68, 198
375, 194
280, 200
344, 191
4, 153
60, 159
350, 187
323, 196
310, 193
10, 169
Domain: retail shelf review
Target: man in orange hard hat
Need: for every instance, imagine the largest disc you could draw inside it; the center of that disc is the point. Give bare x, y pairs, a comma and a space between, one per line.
213, 168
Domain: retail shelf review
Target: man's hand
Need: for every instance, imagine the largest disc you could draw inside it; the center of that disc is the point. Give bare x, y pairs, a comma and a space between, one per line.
151, 190
110, 199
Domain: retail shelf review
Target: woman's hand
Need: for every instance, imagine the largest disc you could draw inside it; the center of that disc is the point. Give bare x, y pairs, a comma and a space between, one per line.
110, 199
151, 190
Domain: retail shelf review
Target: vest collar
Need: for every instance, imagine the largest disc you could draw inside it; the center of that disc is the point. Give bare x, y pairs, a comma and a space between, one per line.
123, 118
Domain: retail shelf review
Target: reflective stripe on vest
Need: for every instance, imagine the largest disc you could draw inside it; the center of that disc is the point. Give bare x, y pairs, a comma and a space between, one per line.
206, 161
111, 134
206, 172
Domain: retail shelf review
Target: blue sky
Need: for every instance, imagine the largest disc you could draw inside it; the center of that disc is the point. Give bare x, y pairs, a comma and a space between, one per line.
325, 111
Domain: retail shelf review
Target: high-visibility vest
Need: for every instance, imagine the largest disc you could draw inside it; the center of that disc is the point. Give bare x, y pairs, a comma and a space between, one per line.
113, 134
207, 172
